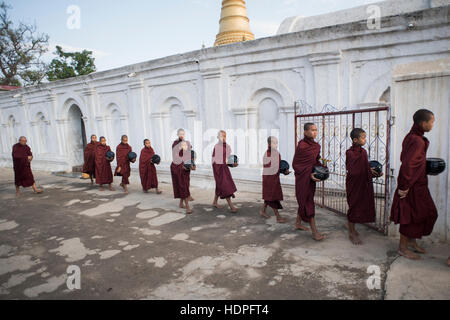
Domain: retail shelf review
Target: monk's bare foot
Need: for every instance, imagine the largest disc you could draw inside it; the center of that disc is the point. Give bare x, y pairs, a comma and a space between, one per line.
233, 209
111, 189
354, 238
18, 193
188, 210
36, 191
102, 189
216, 205
301, 227
416, 248
182, 206
158, 191
317, 236
281, 220
92, 183
264, 214
408, 254
145, 191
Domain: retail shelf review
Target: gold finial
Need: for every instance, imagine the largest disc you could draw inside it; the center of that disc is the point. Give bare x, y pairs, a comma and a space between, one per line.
234, 23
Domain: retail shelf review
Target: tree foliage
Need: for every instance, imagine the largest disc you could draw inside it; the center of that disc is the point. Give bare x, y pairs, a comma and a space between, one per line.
70, 64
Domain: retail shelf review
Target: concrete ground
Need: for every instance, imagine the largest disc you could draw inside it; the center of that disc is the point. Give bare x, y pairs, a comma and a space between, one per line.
142, 246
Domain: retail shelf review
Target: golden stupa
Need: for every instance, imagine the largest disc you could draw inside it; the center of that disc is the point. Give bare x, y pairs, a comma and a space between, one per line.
234, 23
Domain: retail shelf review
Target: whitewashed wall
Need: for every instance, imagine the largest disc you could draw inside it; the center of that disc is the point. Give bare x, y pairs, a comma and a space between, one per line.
425, 85
249, 85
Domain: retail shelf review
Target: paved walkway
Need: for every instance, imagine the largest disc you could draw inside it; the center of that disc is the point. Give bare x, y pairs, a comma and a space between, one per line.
141, 246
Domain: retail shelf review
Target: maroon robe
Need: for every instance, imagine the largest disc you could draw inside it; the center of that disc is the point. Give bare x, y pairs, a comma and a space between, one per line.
307, 156
123, 162
416, 213
272, 193
359, 186
103, 171
23, 177
180, 176
89, 158
225, 186
147, 169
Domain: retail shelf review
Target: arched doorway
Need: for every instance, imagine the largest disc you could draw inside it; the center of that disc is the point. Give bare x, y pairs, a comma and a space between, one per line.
76, 135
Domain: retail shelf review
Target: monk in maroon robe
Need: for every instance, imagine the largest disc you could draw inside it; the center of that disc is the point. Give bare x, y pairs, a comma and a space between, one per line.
225, 187
359, 185
123, 168
147, 169
307, 156
103, 171
413, 207
181, 152
89, 158
272, 193
22, 157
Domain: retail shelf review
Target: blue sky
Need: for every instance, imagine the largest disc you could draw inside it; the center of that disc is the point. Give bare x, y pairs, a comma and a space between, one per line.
127, 32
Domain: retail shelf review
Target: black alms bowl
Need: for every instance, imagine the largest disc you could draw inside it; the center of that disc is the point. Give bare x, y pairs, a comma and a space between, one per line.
156, 159
284, 167
110, 155
188, 164
321, 173
435, 166
233, 159
376, 166
132, 156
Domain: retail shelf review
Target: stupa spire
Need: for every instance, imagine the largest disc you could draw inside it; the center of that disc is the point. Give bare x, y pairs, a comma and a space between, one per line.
234, 23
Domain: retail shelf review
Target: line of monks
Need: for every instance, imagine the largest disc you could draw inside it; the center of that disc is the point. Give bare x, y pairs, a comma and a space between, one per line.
412, 208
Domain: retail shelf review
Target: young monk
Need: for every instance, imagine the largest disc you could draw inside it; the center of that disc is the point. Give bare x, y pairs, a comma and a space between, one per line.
89, 158
359, 185
307, 156
103, 171
147, 169
225, 187
271, 186
181, 151
123, 162
22, 157
413, 207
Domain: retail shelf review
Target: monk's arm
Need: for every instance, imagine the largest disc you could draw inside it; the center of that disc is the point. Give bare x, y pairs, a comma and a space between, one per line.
414, 158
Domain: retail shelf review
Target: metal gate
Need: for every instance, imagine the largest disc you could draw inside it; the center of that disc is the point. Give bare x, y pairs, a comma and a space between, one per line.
334, 129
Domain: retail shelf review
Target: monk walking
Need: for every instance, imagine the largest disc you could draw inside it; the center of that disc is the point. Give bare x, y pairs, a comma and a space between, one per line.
89, 158
22, 157
147, 169
271, 187
307, 156
413, 207
103, 171
181, 152
359, 185
123, 162
225, 187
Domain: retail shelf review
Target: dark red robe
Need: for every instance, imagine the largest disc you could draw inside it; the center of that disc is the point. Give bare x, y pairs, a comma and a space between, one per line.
416, 213
307, 156
272, 193
23, 177
89, 158
147, 169
180, 176
359, 186
225, 186
123, 162
103, 171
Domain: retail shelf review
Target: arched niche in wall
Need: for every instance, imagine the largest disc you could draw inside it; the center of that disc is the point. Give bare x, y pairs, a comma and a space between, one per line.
76, 135
42, 133
13, 130
117, 124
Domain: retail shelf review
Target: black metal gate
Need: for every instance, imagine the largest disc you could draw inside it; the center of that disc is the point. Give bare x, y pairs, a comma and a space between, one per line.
334, 129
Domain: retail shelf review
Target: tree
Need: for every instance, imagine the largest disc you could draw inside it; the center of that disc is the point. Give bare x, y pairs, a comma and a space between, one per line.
70, 64
21, 50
